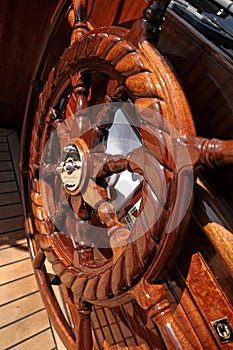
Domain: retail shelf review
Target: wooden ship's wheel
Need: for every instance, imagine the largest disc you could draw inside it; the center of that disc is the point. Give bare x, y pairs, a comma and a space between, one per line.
100, 256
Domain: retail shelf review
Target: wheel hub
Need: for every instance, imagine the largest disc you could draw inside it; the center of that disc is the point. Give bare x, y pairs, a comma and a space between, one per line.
71, 167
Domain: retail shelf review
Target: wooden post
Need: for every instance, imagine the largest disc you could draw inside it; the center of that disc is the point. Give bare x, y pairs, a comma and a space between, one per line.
153, 298
84, 336
173, 336
153, 18
80, 26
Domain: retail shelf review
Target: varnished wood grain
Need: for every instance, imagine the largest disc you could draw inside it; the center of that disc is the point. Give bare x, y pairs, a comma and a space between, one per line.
15, 21
112, 49
140, 78
217, 228
153, 298
217, 305
194, 326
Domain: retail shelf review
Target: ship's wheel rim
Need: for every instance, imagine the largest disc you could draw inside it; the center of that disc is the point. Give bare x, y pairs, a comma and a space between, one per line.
84, 56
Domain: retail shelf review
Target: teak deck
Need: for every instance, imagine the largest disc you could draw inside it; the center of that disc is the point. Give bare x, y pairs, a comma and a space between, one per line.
23, 319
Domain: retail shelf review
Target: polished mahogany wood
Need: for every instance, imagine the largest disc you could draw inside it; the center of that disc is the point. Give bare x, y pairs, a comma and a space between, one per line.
122, 55
84, 335
79, 24
153, 18
214, 219
153, 299
24, 29
138, 73
39, 259
209, 152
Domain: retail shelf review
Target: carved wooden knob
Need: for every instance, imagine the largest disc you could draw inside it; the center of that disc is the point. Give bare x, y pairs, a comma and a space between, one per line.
107, 214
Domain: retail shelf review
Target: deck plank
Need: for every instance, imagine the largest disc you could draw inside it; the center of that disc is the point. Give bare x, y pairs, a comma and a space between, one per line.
18, 289
12, 198
20, 309
4, 147
10, 239
7, 175
9, 273
5, 155
6, 165
8, 186
44, 340
14, 254
14, 150
23, 329
11, 224
8, 211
